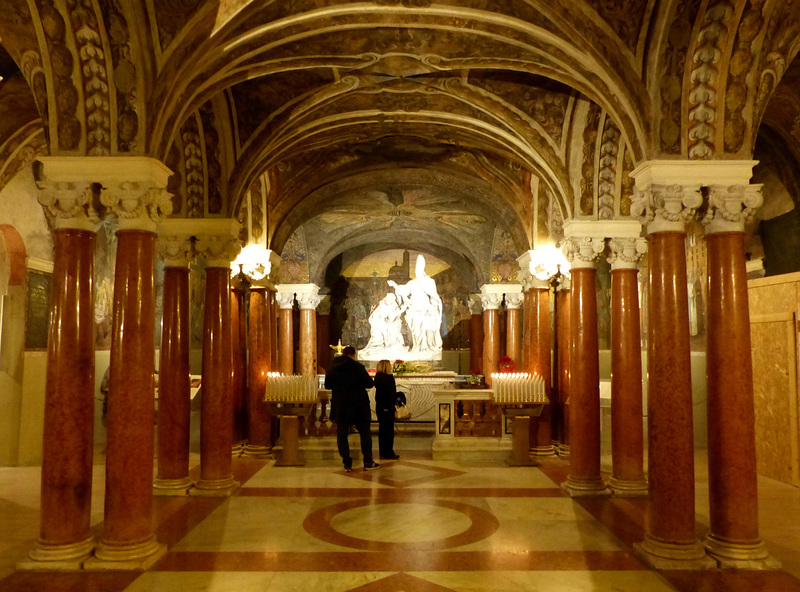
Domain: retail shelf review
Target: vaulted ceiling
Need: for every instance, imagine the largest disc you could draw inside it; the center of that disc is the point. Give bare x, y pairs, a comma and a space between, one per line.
329, 125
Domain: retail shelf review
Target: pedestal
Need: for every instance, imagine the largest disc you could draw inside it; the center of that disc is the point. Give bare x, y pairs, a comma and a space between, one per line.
290, 414
521, 414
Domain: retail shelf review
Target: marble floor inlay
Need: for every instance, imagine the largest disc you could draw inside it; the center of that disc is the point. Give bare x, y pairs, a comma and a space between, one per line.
412, 525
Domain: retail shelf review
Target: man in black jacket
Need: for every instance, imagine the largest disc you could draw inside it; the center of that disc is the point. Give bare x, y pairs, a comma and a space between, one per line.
348, 382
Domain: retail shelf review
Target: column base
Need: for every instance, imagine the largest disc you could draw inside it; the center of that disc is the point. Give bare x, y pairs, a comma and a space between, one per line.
733, 555
136, 557
237, 449
214, 488
667, 556
172, 487
563, 451
575, 487
69, 557
543, 451
628, 488
255, 451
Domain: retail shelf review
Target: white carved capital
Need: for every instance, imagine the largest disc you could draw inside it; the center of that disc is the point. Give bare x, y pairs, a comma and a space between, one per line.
730, 207
137, 204
666, 208
583, 251
69, 203
307, 296
492, 296
284, 299
176, 250
514, 300
627, 253
218, 249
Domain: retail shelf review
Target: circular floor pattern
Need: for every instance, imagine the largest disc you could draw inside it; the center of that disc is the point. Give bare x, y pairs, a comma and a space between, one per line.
361, 524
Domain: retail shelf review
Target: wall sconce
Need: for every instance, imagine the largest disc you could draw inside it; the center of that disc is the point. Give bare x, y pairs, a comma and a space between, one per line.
547, 263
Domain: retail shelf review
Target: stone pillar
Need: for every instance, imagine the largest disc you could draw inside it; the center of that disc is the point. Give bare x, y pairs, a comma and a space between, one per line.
670, 541
307, 299
272, 313
238, 355
285, 301
627, 433
219, 244
540, 363
564, 359
513, 302
476, 333
323, 334
174, 398
584, 478
65, 539
259, 444
491, 298
136, 195
733, 540
528, 320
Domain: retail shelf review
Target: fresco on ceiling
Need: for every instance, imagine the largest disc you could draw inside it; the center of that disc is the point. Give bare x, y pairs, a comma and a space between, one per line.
401, 209
294, 260
504, 259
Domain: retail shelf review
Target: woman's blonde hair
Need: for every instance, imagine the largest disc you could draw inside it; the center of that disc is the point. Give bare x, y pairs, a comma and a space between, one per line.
384, 366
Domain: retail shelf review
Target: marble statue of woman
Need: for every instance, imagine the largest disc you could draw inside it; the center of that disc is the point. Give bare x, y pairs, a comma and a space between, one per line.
423, 310
384, 328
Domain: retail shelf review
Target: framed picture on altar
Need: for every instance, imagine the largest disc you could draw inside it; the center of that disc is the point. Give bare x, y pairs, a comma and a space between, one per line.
444, 418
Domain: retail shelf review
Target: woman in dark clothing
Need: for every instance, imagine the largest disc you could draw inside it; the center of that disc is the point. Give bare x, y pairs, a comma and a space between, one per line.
385, 399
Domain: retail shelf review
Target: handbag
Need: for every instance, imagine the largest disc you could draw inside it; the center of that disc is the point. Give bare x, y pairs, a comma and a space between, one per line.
402, 412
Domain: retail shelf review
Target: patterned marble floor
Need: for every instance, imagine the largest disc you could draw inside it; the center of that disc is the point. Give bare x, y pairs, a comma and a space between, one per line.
412, 525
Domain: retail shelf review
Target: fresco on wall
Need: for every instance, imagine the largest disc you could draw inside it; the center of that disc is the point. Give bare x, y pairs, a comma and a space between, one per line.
504, 259
104, 260
294, 260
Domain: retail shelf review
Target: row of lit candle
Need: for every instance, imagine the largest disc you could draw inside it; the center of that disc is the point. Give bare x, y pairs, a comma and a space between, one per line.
291, 388
518, 387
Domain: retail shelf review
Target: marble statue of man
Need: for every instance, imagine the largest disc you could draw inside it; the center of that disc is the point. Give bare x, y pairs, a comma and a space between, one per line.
423, 310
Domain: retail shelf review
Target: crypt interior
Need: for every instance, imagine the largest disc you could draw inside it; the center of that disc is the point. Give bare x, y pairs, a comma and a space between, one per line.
197, 193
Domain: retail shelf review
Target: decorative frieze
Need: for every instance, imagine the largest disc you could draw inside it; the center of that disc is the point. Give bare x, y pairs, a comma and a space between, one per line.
69, 203
583, 251
175, 250
137, 204
514, 300
218, 249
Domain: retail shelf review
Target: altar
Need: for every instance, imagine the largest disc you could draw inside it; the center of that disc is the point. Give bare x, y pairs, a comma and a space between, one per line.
419, 388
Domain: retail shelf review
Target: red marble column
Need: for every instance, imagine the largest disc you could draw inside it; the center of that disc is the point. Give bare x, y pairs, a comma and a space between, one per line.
491, 337
323, 335
627, 434
272, 314
259, 444
174, 399
237, 352
670, 526
528, 321
66, 486
541, 364
584, 478
128, 526
564, 335
308, 300
476, 336
216, 415
514, 328
286, 332
733, 493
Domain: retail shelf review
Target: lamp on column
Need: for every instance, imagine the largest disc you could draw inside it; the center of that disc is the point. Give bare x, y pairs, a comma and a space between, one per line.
255, 262
548, 264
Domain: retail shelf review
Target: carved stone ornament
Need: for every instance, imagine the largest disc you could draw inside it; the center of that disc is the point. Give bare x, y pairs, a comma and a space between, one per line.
514, 300
627, 253
729, 208
69, 203
218, 250
492, 300
138, 205
666, 208
175, 250
582, 251
475, 304
308, 300
285, 299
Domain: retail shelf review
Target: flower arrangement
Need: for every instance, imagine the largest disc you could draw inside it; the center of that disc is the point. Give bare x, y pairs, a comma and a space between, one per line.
506, 364
474, 377
399, 367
